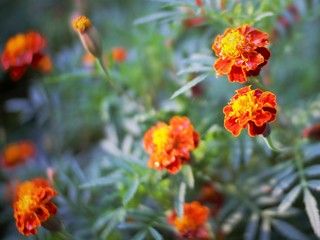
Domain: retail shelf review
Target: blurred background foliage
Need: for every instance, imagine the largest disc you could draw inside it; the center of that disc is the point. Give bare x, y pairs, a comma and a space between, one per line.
92, 137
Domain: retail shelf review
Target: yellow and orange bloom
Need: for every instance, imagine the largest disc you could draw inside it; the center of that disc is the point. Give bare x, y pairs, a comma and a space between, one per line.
252, 108
192, 225
241, 53
33, 205
170, 145
119, 54
89, 36
25, 50
18, 153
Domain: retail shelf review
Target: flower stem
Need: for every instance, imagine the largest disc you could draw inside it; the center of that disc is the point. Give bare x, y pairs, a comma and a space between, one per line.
113, 84
272, 146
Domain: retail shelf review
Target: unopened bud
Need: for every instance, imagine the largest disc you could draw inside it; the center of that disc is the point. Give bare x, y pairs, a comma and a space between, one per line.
89, 36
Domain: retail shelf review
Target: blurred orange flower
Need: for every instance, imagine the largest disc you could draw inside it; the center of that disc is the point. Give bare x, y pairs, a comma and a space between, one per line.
18, 153
119, 54
241, 53
33, 205
192, 224
312, 131
169, 145
212, 197
252, 108
25, 50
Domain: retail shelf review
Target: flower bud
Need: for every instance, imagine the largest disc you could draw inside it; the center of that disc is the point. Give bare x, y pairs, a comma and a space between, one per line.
89, 36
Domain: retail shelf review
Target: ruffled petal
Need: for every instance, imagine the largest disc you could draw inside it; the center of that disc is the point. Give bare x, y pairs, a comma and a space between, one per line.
223, 66
237, 75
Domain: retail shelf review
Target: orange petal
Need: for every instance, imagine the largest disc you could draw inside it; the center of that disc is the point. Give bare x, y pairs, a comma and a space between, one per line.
237, 75
254, 130
223, 66
232, 126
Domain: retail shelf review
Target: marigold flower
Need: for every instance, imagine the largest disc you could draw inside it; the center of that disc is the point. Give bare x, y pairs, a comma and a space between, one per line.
33, 205
241, 53
119, 54
18, 153
252, 108
192, 223
88, 35
23, 51
169, 145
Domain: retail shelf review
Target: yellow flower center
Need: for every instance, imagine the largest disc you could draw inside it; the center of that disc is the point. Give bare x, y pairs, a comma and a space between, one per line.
245, 104
232, 44
161, 137
26, 203
82, 23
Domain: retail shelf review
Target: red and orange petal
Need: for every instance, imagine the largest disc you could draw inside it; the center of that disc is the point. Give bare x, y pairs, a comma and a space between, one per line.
192, 223
18, 153
241, 53
170, 145
250, 108
119, 54
22, 51
312, 131
33, 205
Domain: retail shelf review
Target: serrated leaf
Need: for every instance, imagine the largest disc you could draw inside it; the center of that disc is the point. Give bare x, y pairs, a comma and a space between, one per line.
284, 184
314, 184
251, 228
312, 211
116, 217
189, 85
233, 220
288, 231
155, 234
288, 200
154, 17
104, 181
132, 190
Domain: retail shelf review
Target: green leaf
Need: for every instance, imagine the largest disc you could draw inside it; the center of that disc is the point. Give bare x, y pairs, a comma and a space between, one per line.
194, 69
312, 211
155, 234
132, 190
188, 175
252, 227
313, 170
190, 84
287, 230
265, 230
140, 235
314, 184
155, 16
104, 181
181, 199
263, 15
288, 200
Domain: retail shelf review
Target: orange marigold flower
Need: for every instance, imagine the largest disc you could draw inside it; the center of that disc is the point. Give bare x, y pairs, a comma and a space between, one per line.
169, 145
252, 108
33, 205
119, 54
192, 223
18, 153
212, 197
241, 53
22, 51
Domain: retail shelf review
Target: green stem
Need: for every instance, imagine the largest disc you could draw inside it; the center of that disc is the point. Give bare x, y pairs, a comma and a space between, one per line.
65, 235
272, 146
113, 84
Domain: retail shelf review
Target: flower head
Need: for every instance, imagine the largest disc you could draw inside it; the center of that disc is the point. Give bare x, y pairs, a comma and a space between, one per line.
33, 205
169, 145
241, 53
252, 108
192, 223
23, 51
18, 153
89, 36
